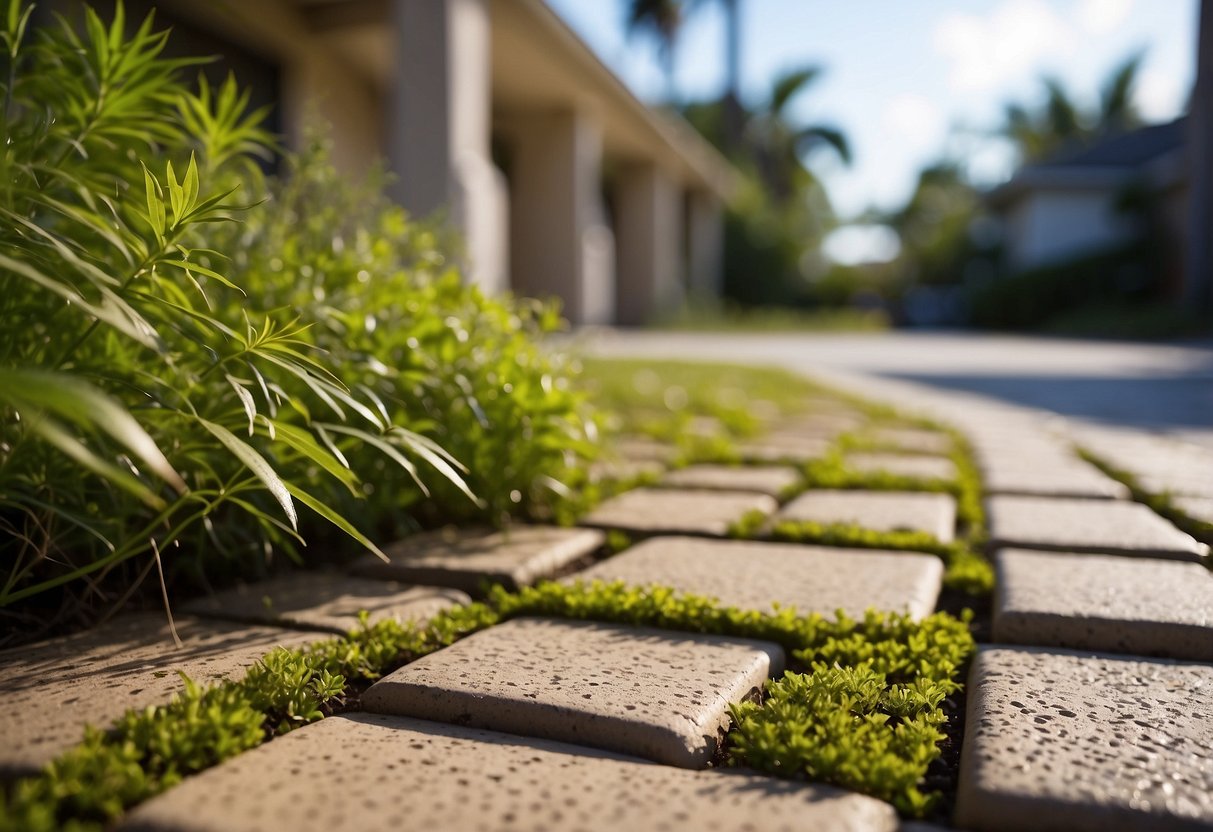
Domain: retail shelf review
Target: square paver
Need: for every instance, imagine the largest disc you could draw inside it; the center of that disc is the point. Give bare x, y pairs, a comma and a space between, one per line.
379, 773
904, 465
751, 575
1055, 478
882, 511
650, 693
783, 449
643, 449
913, 440
1075, 525
321, 601
765, 479
674, 511
1101, 602
625, 470
468, 559
50, 691
1056, 740
1198, 508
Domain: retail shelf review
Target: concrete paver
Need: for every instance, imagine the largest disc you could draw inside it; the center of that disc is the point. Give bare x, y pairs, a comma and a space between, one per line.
1104, 602
783, 449
919, 466
655, 694
883, 511
383, 774
623, 470
1198, 508
1060, 478
324, 601
50, 691
751, 575
643, 449
677, 511
469, 558
1072, 741
1076, 525
912, 440
765, 479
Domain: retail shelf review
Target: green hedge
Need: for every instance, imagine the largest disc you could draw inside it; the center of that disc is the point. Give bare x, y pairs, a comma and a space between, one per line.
1030, 299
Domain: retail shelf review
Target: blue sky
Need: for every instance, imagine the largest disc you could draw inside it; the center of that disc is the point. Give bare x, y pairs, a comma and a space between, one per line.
910, 79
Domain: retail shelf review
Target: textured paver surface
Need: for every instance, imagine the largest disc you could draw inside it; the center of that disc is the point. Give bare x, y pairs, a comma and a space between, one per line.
765, 479
659, 695
642, 449
916, 440
1107, 526
677, 511
906, 465
753, 575
783, 449
615, 470
883, 511
468, 558
1198, 508
317, 600
1073, 741
1104, 602
50, 691
1063, 478
386, 774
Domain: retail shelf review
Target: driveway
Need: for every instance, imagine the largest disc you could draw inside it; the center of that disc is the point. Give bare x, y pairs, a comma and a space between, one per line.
1159, 387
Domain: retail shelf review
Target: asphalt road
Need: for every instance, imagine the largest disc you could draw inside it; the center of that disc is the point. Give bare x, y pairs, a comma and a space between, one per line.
1159, 387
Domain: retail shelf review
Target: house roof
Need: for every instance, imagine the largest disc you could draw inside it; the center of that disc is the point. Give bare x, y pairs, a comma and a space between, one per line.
1154, 151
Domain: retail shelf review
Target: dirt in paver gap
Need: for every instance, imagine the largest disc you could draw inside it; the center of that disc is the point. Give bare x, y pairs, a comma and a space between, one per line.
943, 775
955, 602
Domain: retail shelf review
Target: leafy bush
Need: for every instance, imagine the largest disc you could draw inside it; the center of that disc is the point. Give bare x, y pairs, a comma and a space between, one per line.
1031, 299
126, 386
189, 371
464, 371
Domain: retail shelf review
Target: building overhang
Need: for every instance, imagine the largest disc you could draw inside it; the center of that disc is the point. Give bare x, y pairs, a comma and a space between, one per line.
538, 64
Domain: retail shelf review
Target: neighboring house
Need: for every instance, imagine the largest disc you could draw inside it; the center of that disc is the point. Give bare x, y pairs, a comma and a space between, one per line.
1072, 205
495, 113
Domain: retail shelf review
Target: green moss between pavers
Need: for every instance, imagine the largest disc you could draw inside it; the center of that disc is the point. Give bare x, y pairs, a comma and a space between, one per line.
861, 706
831, 471
1161, 504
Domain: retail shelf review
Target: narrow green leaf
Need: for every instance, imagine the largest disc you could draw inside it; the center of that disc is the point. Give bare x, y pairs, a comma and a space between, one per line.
336, 519
303, 442
256, 463
79, 402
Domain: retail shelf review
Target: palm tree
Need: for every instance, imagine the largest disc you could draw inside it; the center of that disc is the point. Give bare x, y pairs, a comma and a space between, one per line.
1061, 122
780, 147
661, 20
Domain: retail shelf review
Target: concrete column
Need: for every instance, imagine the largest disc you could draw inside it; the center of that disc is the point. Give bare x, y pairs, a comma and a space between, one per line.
439, 128
648, 234
560, 242
705, 245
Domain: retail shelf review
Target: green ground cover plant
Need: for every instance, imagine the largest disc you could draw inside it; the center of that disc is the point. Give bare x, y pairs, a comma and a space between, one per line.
860, 707
663, 399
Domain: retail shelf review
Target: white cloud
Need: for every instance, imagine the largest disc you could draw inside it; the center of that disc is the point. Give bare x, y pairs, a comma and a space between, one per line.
855, 244
1159, 94
987, 51
1098, 17
915, 120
